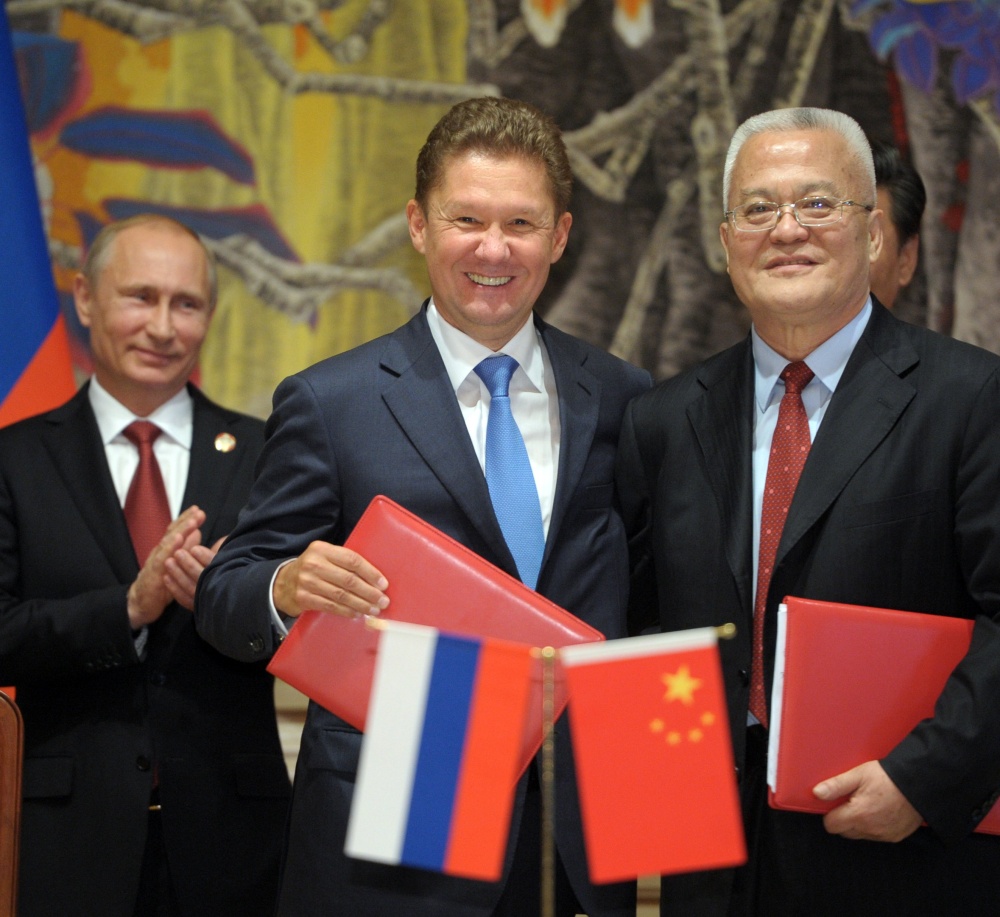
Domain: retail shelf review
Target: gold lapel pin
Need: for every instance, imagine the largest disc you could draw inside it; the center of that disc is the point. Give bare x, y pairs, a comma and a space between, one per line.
225, 442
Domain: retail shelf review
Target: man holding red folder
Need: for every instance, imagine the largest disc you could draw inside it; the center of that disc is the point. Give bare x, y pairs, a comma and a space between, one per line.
411, 416
836, 454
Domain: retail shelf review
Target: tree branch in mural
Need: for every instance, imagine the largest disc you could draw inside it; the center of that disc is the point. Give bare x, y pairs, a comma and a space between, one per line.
155, 20
298, 290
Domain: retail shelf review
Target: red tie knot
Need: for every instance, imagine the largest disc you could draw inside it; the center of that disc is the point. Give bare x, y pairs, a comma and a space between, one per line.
141, 432
796, 377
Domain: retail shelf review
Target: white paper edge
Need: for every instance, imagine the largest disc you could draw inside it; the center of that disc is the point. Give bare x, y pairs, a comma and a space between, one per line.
777, 692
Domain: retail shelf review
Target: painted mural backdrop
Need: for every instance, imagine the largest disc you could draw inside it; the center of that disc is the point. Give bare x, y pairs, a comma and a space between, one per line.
286, 132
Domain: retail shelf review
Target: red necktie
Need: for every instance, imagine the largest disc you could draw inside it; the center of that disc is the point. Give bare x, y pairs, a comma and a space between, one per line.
147, 511
789, 449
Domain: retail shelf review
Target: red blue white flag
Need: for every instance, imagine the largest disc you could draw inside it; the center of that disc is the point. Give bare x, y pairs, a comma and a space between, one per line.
35, 364
440, 757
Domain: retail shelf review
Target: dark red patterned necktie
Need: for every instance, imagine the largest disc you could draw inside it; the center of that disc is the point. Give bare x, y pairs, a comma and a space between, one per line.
789, 450
147, 511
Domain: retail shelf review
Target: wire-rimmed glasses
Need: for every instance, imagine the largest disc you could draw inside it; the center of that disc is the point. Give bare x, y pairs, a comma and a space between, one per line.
761, 216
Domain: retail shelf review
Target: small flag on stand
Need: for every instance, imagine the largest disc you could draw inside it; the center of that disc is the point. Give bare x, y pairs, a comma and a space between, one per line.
653, 755
36, 370
440, 758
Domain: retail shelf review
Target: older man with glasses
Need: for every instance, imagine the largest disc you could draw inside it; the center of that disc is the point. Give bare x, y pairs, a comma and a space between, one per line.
836, 454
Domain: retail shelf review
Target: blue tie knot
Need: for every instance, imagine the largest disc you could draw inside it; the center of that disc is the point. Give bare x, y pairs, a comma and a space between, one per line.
497, 372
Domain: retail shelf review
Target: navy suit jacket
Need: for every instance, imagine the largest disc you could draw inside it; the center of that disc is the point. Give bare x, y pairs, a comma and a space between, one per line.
383, 419
898, 506
97, 717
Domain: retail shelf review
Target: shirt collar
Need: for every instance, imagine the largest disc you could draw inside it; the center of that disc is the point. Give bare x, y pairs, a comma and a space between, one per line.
827, 361
174, 417
462, 354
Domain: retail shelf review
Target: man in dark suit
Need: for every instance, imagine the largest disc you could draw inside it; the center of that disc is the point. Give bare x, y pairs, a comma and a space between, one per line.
154, 782
898, 505
406, 416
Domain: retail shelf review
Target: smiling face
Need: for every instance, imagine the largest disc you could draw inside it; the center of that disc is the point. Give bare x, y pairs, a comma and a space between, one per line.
490, 234
800, 284
148, 311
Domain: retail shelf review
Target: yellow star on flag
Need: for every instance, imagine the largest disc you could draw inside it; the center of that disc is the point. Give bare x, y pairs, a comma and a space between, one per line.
681, 686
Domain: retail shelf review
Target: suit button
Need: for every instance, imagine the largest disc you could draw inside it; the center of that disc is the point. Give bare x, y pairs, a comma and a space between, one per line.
158, 678
257, 644
744, 677
142, 763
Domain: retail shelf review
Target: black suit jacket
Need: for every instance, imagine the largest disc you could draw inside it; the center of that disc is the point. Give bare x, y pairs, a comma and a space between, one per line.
97, 718
898, 506
383, 419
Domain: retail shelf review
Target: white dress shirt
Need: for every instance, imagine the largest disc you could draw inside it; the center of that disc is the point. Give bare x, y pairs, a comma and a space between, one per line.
172, 447
827, 362
534, 401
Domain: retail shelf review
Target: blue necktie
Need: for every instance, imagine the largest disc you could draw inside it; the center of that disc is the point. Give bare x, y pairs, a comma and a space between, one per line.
508, 473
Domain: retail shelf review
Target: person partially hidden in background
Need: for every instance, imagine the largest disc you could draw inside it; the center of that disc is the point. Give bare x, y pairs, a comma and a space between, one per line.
154, 782
901, 197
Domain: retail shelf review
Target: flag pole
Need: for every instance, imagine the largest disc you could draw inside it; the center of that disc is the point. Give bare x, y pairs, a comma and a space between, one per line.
548, 655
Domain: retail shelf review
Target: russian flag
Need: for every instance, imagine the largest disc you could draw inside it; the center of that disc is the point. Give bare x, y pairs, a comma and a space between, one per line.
35, 364
439, 761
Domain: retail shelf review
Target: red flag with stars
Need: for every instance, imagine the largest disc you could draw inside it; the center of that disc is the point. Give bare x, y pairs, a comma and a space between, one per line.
654, 756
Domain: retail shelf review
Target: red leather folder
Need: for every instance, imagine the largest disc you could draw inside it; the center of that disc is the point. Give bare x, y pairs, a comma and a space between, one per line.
856, 680
433, 580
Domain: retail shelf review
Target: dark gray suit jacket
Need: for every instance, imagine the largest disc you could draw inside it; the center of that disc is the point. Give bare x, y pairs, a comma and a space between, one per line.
383, 419
898, 506
96, 717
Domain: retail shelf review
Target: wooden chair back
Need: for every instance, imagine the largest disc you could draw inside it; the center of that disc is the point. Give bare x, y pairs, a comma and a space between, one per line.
11, 754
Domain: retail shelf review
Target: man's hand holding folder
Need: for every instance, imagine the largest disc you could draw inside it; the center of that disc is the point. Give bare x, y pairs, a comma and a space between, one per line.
433, 580
330, 578
850, 683
875, 809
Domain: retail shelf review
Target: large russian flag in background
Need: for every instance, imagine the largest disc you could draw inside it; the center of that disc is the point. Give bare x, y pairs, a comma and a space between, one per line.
35, 364
441, 751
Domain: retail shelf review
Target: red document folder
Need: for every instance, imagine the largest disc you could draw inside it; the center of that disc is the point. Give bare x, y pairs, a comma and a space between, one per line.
433, 580
850, 683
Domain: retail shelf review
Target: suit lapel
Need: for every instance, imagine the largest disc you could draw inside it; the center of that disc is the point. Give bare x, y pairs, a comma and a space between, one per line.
867, 404
74, 443
418, 393
722, 424
210, 469
579, 393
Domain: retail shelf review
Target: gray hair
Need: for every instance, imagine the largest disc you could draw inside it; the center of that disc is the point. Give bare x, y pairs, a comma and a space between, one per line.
804, 119
100, 248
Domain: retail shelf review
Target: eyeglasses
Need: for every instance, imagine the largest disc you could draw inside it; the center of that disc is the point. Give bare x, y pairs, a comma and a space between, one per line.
760, 216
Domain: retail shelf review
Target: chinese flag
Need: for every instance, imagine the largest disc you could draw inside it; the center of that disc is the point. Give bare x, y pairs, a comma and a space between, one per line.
653, 755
